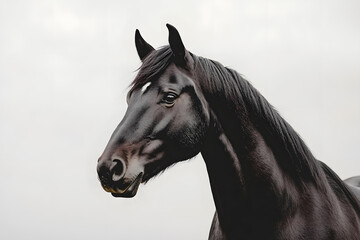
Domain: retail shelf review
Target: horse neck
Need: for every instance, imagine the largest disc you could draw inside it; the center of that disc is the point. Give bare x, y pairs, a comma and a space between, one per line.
261, 177
246, 181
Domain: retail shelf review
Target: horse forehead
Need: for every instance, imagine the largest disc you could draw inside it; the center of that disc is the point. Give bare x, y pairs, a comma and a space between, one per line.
175, 76
171, 77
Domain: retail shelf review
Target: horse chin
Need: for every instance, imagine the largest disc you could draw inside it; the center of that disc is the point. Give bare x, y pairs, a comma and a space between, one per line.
131, 190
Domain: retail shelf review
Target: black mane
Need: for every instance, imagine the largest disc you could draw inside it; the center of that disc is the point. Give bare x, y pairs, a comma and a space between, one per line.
297, 157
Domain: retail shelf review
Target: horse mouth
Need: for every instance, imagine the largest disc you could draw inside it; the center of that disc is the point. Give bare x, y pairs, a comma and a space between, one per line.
129, 191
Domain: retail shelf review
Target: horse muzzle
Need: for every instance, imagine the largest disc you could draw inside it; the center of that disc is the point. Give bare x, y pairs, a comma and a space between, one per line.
113, 179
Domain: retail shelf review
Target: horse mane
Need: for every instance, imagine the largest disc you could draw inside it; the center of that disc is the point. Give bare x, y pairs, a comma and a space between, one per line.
297, 158
277, 132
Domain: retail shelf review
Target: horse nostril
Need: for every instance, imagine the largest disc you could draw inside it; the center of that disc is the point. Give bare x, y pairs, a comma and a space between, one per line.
117, 169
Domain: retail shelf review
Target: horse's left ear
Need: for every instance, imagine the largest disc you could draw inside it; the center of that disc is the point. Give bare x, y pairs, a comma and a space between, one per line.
176, 44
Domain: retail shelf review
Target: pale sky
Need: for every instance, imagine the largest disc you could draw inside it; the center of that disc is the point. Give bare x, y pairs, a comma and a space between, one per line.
64, 71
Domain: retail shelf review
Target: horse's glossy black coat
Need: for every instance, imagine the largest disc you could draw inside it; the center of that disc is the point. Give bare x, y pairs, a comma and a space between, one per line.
265, 182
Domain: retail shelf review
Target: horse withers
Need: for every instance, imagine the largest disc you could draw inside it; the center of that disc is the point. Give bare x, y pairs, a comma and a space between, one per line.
266, 183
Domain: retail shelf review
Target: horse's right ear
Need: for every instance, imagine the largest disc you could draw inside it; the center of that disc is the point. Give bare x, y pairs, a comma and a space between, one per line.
142, 47
176, 44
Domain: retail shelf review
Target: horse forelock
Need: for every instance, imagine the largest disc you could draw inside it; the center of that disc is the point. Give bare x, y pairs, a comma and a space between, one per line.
152, 67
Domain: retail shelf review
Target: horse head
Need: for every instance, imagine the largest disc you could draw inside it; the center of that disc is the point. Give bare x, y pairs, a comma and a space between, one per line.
166, 120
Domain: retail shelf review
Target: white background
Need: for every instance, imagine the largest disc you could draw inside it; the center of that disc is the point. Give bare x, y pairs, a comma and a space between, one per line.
65, 67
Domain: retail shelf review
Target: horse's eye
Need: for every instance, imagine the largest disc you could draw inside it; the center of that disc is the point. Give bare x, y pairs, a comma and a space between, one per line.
169, 99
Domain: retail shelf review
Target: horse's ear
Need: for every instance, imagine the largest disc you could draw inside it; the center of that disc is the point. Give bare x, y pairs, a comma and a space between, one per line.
176, 44
142, 47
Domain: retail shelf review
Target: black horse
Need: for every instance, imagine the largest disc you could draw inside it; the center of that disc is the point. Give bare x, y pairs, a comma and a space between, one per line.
265, 181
